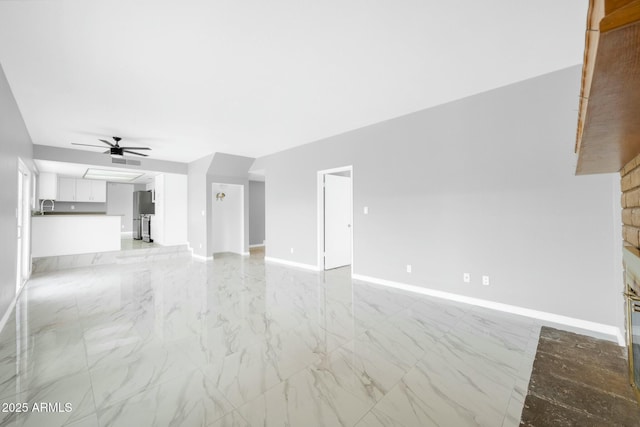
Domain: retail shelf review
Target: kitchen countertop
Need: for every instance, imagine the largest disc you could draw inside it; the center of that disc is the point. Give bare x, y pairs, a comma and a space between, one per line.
36, 214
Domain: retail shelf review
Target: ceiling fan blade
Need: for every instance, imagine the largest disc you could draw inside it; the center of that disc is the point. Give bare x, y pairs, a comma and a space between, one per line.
137, 154
88, 145
135, 148
107, 142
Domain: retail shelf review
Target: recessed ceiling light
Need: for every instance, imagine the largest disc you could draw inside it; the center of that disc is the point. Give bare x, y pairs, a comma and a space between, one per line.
111, 175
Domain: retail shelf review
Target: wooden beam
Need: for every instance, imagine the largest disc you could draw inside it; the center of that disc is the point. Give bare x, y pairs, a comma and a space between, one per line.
611, 135
613, 5
621, 17
594, 15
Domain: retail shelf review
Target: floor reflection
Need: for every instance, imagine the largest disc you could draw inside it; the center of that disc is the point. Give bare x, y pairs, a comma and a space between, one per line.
236, 342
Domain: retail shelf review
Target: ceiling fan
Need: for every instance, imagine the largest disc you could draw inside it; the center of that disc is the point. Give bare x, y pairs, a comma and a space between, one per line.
115, 149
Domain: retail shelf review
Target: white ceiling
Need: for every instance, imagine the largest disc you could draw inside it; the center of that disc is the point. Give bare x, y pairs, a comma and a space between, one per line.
192, 77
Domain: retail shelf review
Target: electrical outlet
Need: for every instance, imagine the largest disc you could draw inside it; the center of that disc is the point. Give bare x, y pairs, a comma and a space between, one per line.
366, 210
485, 280
408, 268
466, 278
291, 250
200, 245
73, 207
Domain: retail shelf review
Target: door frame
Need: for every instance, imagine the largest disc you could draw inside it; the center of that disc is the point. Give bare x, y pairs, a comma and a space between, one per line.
23, 243
242, 212
320, 215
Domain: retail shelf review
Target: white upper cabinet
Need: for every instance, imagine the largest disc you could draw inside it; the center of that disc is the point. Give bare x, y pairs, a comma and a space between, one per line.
47, 186
98, 191
82, 190
66, 189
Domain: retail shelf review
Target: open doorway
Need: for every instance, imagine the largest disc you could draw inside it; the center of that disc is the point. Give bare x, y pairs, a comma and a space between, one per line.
257, 215
335, 218
227, 218
23, 267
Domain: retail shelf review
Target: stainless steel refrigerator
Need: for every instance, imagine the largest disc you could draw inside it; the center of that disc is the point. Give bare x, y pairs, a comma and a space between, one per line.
142, 205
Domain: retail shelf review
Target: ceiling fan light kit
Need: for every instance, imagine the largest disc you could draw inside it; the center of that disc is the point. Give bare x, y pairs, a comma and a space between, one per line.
115, 150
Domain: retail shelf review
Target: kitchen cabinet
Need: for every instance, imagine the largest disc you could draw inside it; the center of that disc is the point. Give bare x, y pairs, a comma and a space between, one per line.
58, 235
66, 189
47, 186
98, 191
82, 190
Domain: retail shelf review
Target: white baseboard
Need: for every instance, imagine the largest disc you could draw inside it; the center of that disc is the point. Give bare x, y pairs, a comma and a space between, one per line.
246, 253
259, 245
7, 314
12, 305
199, 257
126, 234
291, 263
202, 258
513, 309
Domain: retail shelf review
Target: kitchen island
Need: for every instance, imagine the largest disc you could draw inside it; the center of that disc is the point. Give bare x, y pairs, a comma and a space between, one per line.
55, 235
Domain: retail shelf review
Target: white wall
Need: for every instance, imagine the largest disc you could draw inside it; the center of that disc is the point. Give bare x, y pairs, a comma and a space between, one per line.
120, 202
158, 219
256, 212
230, 169
75, 207
169, 224
197, 197
219, 168
15, 143
228, 218
484, 185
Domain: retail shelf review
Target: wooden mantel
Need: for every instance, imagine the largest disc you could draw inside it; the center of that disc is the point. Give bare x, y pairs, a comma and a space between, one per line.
608, 133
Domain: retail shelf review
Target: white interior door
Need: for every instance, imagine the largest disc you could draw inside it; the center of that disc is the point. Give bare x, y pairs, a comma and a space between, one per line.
337, 221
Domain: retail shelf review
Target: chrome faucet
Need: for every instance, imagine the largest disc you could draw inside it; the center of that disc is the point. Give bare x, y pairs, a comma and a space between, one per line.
53, 206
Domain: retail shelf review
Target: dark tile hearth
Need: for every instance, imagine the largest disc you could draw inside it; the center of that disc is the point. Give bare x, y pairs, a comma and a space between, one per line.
579, 381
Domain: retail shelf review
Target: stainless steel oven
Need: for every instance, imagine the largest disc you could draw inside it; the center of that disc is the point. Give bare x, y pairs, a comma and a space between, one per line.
146, 228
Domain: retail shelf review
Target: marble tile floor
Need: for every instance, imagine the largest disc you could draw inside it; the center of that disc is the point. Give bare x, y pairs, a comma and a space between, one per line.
130, 243
235, 342
132, 251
